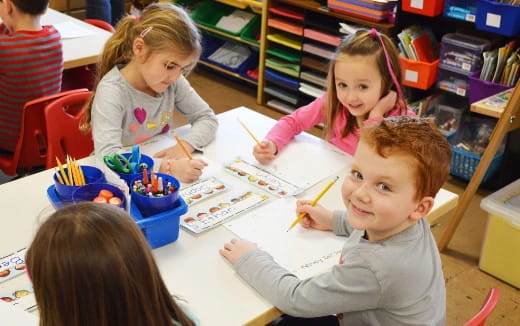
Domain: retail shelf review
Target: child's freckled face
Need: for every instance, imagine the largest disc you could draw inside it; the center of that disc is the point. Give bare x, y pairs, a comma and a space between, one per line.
379, 193
162, 69
358, 83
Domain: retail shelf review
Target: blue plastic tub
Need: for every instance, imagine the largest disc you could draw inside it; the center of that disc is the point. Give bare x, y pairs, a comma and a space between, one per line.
163, 228
92, 175
90, 191
499, 18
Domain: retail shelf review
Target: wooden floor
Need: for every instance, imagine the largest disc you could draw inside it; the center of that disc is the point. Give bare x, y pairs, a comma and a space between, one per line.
466, 285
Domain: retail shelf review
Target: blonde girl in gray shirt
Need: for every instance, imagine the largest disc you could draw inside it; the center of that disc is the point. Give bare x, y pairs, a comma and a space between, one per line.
142, 71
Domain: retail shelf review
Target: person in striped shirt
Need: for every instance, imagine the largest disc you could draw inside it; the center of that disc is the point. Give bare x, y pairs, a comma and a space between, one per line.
31, 63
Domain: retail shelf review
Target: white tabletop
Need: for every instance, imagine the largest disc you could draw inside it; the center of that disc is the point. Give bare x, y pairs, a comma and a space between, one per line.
78, 51
191, 267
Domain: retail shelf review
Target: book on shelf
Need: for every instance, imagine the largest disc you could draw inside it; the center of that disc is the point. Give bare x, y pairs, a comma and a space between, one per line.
418, 43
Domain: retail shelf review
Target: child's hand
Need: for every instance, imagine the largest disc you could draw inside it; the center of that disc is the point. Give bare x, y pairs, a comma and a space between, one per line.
265, 152
175, 152
234, 249
384, 105
318, 217
186, 171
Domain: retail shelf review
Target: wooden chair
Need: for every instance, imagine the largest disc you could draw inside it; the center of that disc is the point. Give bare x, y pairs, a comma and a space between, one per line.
62, 119
31, 148
487, 308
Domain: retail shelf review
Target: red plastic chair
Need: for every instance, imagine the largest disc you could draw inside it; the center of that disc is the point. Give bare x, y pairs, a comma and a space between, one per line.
487, 308
63, 118
101, 24
84, 76
31, 148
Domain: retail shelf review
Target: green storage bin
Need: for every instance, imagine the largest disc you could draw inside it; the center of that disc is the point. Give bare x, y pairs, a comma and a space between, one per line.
209, 13
251, 30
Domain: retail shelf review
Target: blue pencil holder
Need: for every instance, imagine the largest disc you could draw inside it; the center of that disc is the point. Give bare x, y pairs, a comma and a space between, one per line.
128, 177
150, 205
92, 175
90, 191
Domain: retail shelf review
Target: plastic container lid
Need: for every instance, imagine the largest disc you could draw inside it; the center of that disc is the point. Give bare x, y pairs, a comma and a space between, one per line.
505, 203
466, 41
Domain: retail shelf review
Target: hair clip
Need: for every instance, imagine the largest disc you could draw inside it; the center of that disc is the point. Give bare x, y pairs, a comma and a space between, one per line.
373, 32
146, 31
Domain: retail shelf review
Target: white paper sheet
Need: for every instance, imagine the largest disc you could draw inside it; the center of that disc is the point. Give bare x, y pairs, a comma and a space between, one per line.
304, 252
70, 30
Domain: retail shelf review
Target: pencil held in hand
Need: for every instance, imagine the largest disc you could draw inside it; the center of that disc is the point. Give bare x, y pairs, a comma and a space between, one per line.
250, 133
179, 141
314, 202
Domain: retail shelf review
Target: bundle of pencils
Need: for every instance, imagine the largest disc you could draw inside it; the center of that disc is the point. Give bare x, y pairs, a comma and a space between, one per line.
73, 176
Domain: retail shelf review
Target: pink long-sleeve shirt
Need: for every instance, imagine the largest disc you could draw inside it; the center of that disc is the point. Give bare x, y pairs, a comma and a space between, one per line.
312, 114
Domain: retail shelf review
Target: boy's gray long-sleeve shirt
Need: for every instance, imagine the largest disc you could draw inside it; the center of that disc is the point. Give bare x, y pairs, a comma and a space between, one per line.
397, 281
124, 116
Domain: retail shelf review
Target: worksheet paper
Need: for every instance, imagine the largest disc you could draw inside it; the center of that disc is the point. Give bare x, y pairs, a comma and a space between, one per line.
71, 30
304, 252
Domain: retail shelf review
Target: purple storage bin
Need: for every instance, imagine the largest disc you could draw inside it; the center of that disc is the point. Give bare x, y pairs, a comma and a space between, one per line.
479, 89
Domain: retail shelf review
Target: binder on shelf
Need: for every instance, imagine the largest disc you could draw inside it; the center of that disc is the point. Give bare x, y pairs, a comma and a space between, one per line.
285, 26
319, 51
281, 94
288, 13
316, 35
315, 64
288, 68
285, 53
281, 80
286, 39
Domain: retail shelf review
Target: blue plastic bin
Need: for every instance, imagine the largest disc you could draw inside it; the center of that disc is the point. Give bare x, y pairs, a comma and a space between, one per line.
149, 206
91, 191
163, 228
92, 175
499, 18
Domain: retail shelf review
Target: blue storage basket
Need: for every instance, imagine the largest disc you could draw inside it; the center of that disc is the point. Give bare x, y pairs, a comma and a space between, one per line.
464, 164
499, 18
163, 228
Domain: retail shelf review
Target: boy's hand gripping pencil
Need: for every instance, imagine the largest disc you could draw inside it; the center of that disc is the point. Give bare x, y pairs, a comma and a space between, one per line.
250, 133
183, 148
314, 202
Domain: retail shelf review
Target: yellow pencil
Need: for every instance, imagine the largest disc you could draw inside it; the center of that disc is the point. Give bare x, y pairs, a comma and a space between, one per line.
314, 202
62, 171
249, 132
179, 141
82, 175
69, 172
75, 172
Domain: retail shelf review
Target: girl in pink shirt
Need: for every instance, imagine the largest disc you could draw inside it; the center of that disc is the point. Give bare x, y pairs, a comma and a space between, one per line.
363, 86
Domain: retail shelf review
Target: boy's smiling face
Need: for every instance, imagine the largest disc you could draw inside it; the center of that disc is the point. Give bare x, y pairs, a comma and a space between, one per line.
380, 193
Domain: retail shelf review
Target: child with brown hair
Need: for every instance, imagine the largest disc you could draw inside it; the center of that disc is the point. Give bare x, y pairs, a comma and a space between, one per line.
31, 63
364, 85
91, 265
389, 270
142, 71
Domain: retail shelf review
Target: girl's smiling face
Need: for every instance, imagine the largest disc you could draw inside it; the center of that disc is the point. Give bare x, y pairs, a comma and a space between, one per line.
358, 83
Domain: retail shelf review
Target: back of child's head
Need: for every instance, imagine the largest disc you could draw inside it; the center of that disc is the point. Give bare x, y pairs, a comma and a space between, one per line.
31, 7
417, 138
91, 265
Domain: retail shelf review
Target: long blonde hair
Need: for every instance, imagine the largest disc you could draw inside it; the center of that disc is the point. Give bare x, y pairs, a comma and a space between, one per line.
162, 26
363, 43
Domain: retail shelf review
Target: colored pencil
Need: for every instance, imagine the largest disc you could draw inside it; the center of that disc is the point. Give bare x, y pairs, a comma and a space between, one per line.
249, 132
314, 202
179, 141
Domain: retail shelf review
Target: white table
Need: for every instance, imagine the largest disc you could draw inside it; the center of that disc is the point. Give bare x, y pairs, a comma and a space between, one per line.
79, 51
191, 266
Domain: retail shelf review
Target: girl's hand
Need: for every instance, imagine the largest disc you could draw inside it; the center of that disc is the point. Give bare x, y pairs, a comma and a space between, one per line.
186, 171
234, 249
384, 105
175, 152
265, 152
318, 217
